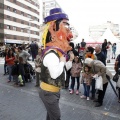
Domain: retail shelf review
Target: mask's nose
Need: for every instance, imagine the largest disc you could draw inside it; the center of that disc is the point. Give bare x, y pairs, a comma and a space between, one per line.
70, 35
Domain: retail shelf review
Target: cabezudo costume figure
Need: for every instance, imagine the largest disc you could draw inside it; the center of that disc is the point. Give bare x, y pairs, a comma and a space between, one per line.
55, 39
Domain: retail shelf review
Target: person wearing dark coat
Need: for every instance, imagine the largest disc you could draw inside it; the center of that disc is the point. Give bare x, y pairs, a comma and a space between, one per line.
100, 56
104, 47
34, 50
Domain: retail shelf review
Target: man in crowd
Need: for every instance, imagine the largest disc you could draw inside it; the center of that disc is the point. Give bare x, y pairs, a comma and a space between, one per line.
104, 48
34, 50
83, 43
99, 54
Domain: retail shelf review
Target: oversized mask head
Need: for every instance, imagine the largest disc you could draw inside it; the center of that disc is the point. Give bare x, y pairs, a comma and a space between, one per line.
57, 30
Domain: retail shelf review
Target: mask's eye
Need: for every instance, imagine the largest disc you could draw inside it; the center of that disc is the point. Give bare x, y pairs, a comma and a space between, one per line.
67, 26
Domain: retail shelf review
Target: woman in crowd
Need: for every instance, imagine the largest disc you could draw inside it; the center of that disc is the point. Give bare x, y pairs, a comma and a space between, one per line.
10, 62
100, 69
113, 51
109, 51
104, 47
75, 74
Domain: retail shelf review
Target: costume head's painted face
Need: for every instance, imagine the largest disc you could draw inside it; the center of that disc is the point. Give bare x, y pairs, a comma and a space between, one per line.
60, 36
59, 33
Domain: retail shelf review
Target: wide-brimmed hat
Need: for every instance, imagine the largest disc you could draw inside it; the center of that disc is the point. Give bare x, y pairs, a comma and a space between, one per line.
55, 14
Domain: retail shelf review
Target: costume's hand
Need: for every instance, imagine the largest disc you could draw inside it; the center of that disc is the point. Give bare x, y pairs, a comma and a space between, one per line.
71, 55
63, 59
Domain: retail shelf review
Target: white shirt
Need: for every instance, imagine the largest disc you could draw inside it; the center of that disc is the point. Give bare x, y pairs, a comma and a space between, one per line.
54, 65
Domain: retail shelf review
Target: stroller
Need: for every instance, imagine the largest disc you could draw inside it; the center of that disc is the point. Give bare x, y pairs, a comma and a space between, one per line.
29, 72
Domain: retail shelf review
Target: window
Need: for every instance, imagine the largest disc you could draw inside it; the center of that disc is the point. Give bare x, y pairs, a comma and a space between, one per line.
14, 28
14, 10
1, 25
35, 18
14, 1
22, 5
8, 8
35, 33
29, 16
1, 16
29, 23
8, 26
8, 17
22, 22
28, 31
35, 25
1, 6
15, 37
14, 19
22, 13
29, 1
1, 35
22, 30
29, 7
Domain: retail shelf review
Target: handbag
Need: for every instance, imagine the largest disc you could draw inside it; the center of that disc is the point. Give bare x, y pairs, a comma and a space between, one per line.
99, 83
116, 77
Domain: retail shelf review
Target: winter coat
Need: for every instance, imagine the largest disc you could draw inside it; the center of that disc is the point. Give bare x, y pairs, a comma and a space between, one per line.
100, 69
86, 78
10, 60
76, 69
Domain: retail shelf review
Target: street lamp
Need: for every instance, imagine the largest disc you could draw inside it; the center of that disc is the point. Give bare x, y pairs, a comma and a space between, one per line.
28, 28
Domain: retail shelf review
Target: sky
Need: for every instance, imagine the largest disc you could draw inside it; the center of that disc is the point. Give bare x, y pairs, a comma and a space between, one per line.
85, 13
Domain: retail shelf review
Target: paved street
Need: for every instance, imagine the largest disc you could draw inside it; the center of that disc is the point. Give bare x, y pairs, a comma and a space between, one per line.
23, 103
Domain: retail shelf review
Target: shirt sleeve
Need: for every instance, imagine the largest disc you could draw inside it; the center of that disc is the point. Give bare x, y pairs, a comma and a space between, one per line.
55, 67
68, 65
26, 53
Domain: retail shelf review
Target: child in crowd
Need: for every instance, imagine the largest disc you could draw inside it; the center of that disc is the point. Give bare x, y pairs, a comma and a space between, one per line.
86, 80
21, 72
15, 72
75, 74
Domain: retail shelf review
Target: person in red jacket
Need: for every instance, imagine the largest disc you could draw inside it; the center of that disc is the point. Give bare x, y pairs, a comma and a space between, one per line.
10, 62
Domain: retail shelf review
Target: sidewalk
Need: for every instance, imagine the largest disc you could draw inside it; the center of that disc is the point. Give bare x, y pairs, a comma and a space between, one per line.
72, 107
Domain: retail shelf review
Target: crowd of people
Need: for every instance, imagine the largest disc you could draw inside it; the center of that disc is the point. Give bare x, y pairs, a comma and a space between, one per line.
16, 65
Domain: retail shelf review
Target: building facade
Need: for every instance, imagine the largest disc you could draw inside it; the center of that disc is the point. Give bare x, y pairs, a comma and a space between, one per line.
97, 31
21, 21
